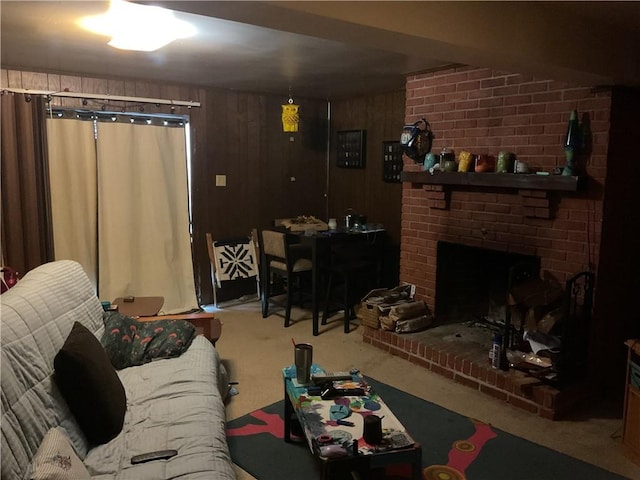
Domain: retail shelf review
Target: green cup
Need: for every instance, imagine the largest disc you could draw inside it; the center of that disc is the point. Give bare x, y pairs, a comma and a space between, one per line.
505, 162
449, 166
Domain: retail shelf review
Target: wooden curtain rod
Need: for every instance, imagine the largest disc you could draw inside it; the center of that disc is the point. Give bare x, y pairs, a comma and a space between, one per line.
105, 97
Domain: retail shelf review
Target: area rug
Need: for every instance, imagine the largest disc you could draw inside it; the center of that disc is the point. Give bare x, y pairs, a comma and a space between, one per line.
454, 447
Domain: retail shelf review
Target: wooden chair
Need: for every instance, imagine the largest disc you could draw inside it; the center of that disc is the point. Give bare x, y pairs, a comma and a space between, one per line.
283, 261
232, 260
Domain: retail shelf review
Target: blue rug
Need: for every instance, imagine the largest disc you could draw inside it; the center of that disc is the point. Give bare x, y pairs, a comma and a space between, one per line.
454, 447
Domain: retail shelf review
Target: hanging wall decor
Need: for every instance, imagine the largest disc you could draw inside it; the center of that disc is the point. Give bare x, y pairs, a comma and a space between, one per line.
392, 161
351, 148
290, 116
416, 140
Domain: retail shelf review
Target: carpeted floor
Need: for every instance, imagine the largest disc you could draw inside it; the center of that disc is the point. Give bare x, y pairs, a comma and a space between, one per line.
255, 349
454, 447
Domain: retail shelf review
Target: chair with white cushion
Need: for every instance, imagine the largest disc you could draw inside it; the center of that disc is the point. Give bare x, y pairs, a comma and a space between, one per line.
232, 260
282, 262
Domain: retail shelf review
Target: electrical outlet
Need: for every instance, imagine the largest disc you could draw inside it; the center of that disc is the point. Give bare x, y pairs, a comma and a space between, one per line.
221, 180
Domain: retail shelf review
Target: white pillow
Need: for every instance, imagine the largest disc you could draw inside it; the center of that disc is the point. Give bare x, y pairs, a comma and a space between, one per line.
56, 459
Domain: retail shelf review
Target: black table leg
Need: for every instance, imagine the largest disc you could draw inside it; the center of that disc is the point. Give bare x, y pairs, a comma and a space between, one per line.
288, 412
315, 280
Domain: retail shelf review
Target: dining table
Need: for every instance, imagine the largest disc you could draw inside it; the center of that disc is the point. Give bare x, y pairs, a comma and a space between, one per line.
320, 245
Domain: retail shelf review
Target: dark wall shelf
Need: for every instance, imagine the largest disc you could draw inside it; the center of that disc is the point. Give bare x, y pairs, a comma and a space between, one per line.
392, 161
351, 146
499, 180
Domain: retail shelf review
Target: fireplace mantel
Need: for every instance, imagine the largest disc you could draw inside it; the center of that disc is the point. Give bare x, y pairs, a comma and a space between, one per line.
496, 180
534, 189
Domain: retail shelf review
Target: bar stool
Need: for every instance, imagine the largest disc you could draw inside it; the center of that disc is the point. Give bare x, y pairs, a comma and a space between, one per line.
285, 261
350, 275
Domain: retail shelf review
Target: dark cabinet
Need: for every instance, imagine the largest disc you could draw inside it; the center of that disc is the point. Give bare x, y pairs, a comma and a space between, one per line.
631, 419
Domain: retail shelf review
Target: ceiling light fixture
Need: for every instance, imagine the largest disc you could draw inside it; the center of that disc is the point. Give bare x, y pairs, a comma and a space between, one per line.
138, 27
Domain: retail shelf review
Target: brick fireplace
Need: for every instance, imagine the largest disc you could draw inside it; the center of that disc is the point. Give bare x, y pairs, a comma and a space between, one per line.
485, 111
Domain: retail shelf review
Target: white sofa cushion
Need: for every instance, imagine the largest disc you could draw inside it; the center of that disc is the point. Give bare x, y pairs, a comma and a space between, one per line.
37, 316
171, 404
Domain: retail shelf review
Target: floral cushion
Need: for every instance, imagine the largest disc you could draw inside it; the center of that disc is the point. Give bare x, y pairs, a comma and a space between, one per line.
130, 342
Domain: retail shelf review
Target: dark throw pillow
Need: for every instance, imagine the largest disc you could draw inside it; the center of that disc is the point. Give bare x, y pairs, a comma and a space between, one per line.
90, 385
129, 342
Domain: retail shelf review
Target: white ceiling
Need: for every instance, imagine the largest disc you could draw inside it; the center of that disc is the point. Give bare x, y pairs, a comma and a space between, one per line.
336, 49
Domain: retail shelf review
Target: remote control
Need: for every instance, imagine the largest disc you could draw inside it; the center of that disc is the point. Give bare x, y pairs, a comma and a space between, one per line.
150, 456
331, 392
330, 377
400, 440
315, 390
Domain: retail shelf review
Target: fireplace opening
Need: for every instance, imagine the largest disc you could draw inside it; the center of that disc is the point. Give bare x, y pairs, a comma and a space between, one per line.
472, 283
482, 292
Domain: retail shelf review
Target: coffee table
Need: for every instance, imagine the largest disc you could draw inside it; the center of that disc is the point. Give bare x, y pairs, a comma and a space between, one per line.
322, 423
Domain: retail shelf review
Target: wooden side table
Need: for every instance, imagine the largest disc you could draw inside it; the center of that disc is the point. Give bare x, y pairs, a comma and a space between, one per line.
138, 306
206, 323
631, 418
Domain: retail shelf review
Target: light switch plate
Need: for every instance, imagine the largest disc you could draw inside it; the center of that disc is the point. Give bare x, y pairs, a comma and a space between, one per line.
221, 180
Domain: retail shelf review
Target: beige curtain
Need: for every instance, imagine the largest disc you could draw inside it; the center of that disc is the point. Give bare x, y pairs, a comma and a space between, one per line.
120, 208
72, 176
143, 215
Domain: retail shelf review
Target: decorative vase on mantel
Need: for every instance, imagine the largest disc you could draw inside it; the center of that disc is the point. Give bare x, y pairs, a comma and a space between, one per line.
571, 144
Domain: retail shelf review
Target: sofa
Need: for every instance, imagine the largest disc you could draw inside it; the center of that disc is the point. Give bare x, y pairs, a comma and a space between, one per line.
171, 403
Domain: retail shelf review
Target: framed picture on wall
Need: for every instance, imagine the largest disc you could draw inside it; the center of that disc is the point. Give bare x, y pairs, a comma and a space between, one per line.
391, 161
351, 145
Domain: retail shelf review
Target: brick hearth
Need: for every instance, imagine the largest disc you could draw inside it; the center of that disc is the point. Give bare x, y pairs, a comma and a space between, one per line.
468, 365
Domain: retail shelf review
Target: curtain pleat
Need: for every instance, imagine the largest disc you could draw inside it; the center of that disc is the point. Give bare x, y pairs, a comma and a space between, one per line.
26, 232
74, 196
143, 216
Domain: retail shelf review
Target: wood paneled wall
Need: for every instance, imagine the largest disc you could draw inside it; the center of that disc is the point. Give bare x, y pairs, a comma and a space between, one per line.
382, 116
270, 174
363, 190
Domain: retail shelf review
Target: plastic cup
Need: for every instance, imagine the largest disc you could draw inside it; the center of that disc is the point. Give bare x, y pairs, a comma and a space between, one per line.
303, 357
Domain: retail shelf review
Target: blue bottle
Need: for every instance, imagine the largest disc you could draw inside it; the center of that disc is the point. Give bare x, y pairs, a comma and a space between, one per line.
496, 353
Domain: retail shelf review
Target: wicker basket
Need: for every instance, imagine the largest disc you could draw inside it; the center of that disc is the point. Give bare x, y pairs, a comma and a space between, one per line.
369, 315
369, 312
